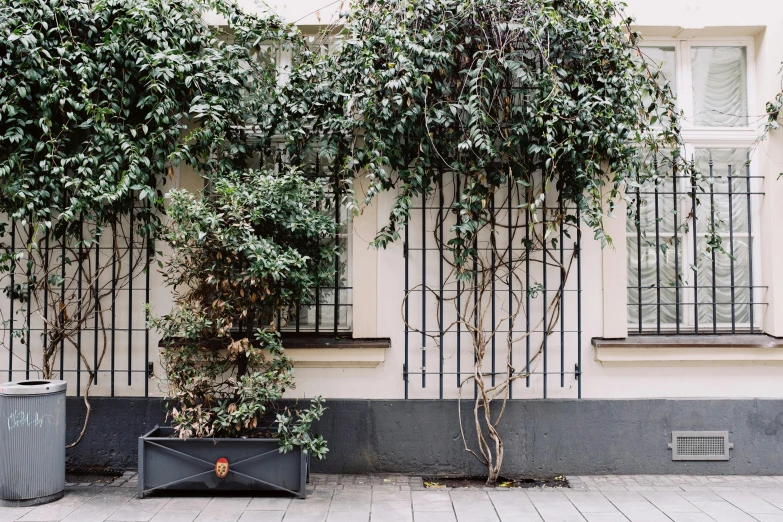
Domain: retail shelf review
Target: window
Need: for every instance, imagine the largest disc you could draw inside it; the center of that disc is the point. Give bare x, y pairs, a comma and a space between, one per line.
332, 310
677, 282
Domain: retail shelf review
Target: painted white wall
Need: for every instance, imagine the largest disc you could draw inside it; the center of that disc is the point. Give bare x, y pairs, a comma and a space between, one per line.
763, 21
380, 275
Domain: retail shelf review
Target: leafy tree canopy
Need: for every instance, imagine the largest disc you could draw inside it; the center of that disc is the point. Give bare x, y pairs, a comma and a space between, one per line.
550, 95
96, 98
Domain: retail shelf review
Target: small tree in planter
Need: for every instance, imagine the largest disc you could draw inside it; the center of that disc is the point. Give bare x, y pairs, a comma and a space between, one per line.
254, 245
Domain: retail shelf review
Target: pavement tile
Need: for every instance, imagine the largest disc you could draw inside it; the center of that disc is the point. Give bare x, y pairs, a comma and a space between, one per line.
382, 494
138, 510
187, 503
690, 517
700, 496
434, 516
750, 503
605, 517
387, 517
348, 516
559, 511
84, 514
514, 501
429, 501
312, 517
624, 496
723, 512
641, 512
269, 504
176, 515
670, 502
590, 502
520, 517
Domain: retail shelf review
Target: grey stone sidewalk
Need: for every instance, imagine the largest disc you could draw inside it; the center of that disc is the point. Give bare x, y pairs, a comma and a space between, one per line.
393, 498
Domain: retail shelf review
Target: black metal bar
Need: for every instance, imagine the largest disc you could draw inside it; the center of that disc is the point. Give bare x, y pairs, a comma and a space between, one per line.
317, 289
712, 251
676, 240
79, 270
130, 298
562, 296
337, 255
750, 247
695, 256
476, 308
544, 308
61, 317
45, 283
441, 224
149, 246
731, 257
29, 286
407, 329
579, 301
492, 244
13, 298
510, 287
639, 256
657, 251
527, 294
113, 306
97, 305
459, 295
423, 294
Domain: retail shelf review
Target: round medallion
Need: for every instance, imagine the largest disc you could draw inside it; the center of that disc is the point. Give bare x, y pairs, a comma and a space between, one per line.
221, 467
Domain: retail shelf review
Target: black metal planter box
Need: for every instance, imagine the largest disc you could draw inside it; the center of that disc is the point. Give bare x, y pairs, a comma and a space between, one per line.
167, 463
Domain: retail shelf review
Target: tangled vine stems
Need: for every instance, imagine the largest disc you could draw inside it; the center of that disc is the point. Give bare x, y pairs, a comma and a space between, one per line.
551, 96
500, 259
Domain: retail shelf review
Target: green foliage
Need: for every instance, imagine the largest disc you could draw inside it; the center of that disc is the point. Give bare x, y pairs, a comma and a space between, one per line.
253, 245
547, 95
95, 98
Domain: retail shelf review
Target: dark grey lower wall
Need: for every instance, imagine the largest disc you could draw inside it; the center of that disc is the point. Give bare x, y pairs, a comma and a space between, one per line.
542, 437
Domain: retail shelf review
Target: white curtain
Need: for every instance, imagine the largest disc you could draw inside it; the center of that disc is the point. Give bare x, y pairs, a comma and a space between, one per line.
720, 91
651, 260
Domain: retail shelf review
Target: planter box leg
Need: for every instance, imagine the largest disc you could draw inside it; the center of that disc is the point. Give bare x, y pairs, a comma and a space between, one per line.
141, 467
303, 475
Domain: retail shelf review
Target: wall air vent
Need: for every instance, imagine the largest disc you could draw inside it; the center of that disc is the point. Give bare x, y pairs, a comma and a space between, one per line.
700, 445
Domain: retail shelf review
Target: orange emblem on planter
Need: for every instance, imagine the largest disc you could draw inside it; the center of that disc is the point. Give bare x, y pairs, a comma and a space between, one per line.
221, 467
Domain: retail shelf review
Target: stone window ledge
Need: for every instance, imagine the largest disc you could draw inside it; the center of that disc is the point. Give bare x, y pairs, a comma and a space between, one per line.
332, 351
335, 352
689, 350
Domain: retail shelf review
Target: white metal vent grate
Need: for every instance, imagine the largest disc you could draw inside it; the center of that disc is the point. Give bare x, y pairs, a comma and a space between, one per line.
700, 445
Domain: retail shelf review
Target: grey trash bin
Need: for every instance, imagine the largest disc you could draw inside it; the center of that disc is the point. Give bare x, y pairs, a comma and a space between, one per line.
32, 445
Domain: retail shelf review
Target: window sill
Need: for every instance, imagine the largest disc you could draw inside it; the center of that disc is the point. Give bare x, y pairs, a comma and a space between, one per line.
335, 351
690, 350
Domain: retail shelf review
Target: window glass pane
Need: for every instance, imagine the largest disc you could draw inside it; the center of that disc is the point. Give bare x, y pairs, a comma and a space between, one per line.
720, 89
662, 58
720, 164
724, 267
651, 259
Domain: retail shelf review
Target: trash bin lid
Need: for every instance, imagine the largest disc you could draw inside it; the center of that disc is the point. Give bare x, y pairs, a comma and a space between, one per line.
32, 387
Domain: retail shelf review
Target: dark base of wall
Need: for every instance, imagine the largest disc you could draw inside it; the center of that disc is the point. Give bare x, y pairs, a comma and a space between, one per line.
542, 437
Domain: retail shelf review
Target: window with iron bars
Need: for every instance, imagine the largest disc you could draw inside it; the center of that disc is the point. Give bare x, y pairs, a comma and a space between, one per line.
677, 281
331, 310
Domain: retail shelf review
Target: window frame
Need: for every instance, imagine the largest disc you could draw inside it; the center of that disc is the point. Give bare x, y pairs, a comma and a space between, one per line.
708, 137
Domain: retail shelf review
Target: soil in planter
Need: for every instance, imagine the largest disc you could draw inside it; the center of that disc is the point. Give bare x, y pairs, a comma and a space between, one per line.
503, 482
91, 475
